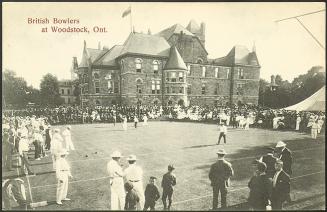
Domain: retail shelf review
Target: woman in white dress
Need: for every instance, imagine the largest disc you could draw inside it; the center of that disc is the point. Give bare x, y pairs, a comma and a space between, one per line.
125, 123
298, 121
68, 139
145, 120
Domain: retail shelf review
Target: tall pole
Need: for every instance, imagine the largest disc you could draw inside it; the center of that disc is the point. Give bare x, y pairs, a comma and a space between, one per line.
130, 19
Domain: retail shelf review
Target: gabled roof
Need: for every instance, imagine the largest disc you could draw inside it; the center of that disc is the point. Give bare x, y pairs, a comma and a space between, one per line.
175, 61
89, 54
138, 43
175, 29
108, 58
239, 55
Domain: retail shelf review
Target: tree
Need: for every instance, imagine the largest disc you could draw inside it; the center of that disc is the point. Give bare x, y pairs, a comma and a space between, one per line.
49, 90
15, 90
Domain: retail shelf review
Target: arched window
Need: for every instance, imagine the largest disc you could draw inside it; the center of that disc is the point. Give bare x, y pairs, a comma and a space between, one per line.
85, 78
139, 86
155, 66
200, 61
138, 65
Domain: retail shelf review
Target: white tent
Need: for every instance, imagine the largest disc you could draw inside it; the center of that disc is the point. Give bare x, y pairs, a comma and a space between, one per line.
316, 102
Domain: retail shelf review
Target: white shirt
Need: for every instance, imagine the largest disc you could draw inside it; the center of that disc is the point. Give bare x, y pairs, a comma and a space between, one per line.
56, 145
133, 173
62, 168
114, 169
223, 129
66, 133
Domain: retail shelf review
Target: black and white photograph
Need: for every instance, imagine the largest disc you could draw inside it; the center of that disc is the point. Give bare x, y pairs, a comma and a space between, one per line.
167, 106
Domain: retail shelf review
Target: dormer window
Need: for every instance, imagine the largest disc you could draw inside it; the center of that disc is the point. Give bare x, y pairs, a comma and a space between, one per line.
200, 61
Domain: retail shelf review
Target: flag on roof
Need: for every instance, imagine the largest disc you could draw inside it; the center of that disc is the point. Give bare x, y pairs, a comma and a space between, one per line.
126, 12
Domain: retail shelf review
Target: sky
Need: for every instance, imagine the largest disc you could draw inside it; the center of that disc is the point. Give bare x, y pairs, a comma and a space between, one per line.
283, 48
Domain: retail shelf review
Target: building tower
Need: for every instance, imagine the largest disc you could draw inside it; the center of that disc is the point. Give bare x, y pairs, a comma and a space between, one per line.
197, 30
174, 83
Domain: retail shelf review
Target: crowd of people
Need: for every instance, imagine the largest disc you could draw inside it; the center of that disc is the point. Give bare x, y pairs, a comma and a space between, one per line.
23, 130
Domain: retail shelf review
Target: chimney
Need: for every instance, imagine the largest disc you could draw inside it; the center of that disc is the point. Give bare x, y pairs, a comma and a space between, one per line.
254, 48
75, 64
149, 31
203, 28
99, 45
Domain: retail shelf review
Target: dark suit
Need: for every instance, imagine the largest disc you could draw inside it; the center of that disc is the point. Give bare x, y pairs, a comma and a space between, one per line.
281, 191
219, 174
286, 157
260, 191
270, 161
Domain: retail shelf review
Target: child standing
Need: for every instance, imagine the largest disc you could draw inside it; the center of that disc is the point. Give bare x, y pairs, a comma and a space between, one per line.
168, 182
151, 194
132, 198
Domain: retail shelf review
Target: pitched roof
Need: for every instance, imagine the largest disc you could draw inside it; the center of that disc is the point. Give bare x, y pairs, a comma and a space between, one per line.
193, 26
89, 54
175, 29
175, 61
108, 58
138, 43
239, 55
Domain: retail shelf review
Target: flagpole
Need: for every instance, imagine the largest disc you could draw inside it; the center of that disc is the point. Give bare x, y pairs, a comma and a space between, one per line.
130, 19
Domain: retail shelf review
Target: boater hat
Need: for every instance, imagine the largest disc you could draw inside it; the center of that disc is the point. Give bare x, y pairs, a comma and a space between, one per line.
131, 158
280, 144
116, 154
221, 152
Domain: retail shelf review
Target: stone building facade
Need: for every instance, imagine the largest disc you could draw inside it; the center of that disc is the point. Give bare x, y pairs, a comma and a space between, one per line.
167, 68
66, 91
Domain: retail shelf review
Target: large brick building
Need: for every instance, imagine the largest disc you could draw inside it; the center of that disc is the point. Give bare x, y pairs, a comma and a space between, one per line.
170, 67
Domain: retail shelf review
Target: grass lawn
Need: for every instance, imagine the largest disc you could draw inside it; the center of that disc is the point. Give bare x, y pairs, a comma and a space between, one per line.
191, 147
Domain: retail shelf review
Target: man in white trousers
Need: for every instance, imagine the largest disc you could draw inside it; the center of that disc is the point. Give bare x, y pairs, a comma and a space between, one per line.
134, 175
56, 146
68, 139
62, 174
117, 191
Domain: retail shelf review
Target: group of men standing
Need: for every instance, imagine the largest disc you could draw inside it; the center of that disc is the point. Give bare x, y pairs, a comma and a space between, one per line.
269, 186
131, 195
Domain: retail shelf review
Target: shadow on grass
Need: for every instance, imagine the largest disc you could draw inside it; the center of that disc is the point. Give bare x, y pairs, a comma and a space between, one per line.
245, 205
37, 164
47, 172
243, 158
199, 146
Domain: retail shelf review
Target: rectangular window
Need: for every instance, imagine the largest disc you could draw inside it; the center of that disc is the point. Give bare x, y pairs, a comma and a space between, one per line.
227, 73
181, 76
116, 87
181, 90
240, 73
109, 86
173, 90
189, 89
203, 71
203, 90
217, 89
173, 76
153, 87
167, 89
216, 72
68, 91
62, 91
158, 87
188, 69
